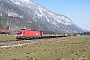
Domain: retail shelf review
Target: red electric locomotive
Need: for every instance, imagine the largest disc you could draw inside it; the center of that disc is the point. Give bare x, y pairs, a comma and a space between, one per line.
27, 34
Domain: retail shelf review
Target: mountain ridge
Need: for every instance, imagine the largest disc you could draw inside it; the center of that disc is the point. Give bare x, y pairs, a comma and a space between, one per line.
14, 21
54, 22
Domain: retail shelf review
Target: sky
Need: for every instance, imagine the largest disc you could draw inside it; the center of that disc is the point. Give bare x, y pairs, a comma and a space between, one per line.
77, 10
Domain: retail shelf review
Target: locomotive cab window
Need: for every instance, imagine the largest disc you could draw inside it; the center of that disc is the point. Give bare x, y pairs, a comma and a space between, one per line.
19, 32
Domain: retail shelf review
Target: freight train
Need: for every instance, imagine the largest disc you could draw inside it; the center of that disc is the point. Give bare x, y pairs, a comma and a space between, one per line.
34, 34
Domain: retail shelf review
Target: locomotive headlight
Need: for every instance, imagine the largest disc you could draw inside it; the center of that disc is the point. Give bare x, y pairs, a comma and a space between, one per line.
36, 33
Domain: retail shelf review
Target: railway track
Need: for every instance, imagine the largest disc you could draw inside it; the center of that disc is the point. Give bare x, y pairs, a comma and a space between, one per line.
45, 37
9, 43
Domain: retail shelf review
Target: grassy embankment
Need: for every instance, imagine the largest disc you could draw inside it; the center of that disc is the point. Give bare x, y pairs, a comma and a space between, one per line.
7, 38
73, 49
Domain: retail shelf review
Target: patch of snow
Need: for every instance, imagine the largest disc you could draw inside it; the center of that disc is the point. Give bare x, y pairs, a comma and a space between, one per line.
13, 14
6, 46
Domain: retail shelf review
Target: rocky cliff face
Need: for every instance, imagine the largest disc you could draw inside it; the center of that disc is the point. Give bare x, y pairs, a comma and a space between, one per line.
42, 18
12, 18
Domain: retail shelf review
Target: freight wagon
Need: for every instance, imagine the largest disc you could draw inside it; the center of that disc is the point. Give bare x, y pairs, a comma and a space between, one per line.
33, 34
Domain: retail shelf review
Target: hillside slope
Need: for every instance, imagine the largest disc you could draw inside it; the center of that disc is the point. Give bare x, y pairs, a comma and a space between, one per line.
30, 15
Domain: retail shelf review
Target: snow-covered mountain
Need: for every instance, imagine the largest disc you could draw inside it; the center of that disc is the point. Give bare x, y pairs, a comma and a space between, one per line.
12, 18
55, 22
42, 12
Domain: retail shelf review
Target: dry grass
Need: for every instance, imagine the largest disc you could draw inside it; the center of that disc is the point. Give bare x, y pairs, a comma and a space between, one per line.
75, 48
7, 38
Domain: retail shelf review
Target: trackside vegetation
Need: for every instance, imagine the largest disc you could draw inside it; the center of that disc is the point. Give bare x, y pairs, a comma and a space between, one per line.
7, 38
77, 48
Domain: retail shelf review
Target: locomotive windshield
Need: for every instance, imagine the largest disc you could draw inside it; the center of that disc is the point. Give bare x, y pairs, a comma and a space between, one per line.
19, 32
